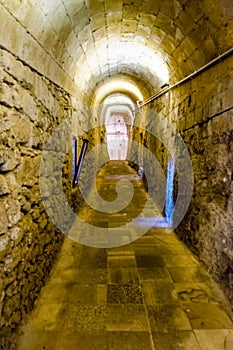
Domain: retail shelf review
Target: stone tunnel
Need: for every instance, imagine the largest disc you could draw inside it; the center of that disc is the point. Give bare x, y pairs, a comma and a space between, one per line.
146, 86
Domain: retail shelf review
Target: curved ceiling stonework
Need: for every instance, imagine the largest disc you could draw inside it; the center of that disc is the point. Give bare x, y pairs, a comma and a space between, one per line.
150, 41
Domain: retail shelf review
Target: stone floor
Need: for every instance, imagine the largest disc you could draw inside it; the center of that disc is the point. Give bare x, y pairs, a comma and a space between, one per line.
146, 295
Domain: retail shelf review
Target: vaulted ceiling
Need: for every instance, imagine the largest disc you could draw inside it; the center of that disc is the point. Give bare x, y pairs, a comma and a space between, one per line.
147, 42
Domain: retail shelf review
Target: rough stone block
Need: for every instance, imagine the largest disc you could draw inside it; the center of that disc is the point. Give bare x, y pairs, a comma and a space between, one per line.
113, 19
9, 160
10, 96
12, 207
29, 171
97, 22
20, 128
29, 105
129, 26
3, 186
11, 304
113, 6
5, 245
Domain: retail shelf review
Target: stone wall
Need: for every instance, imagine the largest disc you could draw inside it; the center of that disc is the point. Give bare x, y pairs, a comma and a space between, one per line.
32, 107
202, 110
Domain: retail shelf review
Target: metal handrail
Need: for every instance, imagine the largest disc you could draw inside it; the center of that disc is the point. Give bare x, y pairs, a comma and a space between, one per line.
184, 80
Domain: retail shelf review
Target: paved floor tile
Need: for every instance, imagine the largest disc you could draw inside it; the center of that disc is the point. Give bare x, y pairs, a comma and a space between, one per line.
65, 276
93, 257
217, 339
122, 261
159, 292
175, 340
153, 274
149, 261
151, 294
207, 316
179, 260
168, 317
82, 340
189, 274
91, 276
127, 318
85, 317
124, 294
123, 276
47, 317
39, 340
129, 340
55, 294
88, 295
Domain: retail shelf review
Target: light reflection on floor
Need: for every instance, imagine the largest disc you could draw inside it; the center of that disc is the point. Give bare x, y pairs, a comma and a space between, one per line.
158, 222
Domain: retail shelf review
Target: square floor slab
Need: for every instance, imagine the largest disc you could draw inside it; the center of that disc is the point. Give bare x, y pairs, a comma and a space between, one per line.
153, 274
129, 340
207, 316
149, 261
127, 318
182, 260
39, 340
47, 318
124, 294
64, 276
217, 339
123, 276
175, 340
121, 261
54, 293
89, 276
82, 340
88, 294
159, 292
85, 318
167, 317
189, 274
93, 257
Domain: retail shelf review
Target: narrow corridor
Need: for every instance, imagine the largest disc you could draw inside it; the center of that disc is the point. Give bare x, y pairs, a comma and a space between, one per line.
83, 81
146, 295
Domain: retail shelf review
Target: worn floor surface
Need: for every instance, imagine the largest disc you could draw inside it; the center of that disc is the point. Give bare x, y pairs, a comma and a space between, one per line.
149, 294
